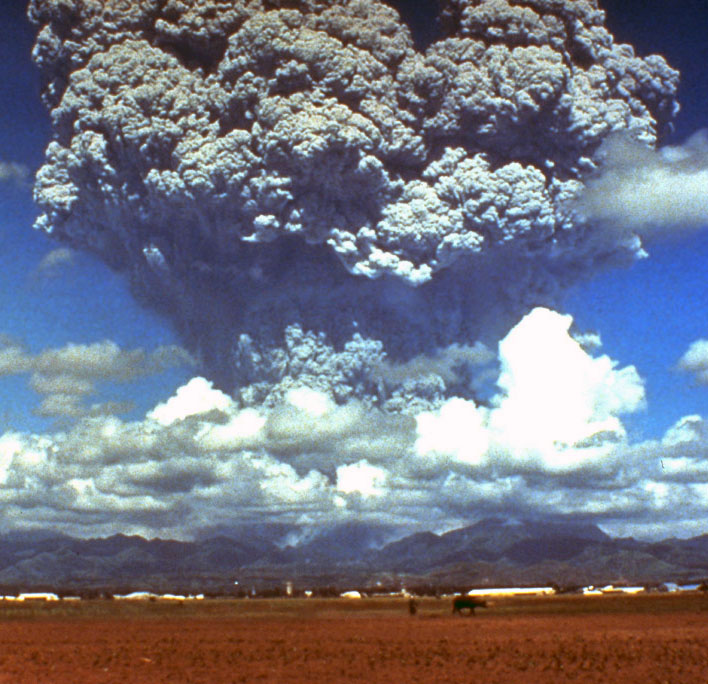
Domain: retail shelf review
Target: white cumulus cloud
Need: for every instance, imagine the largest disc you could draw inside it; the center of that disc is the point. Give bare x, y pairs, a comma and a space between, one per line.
695, 361
557, 408
650, 190
361, 477
13, 172
197, 397
554, 395
550, 441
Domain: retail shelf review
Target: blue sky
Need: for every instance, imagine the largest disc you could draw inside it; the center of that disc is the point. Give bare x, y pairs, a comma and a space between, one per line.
647, 315
80, 302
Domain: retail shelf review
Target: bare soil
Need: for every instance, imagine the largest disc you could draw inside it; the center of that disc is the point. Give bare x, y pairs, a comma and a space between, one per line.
649, 641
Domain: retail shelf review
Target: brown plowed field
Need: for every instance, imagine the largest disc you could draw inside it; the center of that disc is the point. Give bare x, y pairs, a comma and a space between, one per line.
647, 640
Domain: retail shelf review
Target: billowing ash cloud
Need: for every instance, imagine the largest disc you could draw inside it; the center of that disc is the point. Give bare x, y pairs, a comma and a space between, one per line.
315, 202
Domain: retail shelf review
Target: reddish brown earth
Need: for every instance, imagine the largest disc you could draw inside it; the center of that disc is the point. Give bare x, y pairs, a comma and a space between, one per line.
501, 646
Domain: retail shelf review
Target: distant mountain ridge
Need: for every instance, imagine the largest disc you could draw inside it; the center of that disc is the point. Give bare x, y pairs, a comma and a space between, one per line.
493, 551
492, 540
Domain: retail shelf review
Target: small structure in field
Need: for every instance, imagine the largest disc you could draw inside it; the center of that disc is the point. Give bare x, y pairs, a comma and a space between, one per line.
513, 591
136, 596
38, 596
612, 589
350, 595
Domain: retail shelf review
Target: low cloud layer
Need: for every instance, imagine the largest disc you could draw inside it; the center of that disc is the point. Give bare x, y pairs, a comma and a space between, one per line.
550, 441
67, 377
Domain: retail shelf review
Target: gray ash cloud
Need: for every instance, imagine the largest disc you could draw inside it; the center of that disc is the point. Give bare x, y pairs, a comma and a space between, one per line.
309, 196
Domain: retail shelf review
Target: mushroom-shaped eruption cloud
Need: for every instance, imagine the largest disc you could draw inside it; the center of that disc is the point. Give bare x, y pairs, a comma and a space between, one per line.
312, 199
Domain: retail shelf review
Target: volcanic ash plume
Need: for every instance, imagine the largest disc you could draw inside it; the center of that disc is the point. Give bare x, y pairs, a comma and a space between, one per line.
316, 203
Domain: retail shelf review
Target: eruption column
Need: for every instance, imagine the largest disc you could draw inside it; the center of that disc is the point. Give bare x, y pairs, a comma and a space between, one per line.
312, 200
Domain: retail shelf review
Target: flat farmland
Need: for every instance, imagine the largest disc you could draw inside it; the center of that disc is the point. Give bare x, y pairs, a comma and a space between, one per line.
625, 639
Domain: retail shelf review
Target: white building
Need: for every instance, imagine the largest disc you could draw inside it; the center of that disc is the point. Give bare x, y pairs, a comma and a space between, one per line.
513, 591
351, 595
136, 596
38, 596
612, 589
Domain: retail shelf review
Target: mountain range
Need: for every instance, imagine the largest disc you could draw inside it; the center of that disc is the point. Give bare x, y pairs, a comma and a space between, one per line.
491, 552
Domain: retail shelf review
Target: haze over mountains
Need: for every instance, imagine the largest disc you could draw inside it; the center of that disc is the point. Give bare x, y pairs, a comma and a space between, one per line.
491, 552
